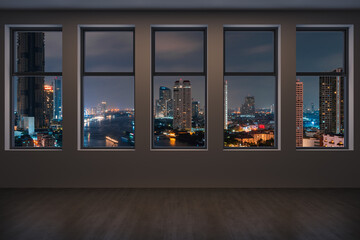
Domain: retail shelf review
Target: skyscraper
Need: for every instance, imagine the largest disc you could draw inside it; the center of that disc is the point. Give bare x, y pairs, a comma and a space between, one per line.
195, 109
57, 99
272, 108
48, 104
226, 104
103, 107
248, 108
182, 105
30, 90
165, 102
299, 112
332, 104
157, 109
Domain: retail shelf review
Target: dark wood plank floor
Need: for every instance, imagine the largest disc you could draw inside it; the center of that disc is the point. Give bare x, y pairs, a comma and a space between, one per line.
173, 214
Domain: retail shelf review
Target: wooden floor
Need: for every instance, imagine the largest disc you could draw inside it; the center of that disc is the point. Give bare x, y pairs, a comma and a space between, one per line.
168, 214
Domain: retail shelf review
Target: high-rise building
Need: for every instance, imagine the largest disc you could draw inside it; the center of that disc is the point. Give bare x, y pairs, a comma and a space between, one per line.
30, 90
272, 108
195, 109
226, 105
28, 124
48, 104
182, 105
158, 113
57, 99
165, 102
248, 108
332, 104
299, 112
103, 107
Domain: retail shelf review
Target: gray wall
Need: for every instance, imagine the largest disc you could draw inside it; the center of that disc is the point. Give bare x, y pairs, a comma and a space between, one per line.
212, 168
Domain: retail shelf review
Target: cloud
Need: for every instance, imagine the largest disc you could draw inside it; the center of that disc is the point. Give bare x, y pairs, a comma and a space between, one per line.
260, 49
174, 45
108, 51
179, 51
101, 43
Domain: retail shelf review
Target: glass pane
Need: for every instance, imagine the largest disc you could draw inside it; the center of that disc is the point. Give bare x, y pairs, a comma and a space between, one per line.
109, 51
179, 51
319, 51
38, 51
108, 112
249, 51
250, 112
37, 112
179, 112
320, 111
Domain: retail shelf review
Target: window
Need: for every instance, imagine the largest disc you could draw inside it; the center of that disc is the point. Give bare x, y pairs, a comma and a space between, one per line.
321, 87
250, 87
36, 83
179, 87
107, 88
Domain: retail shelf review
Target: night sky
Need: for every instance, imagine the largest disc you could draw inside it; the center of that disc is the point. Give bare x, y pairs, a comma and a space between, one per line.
109, 51
117, 92
262, 88
317, 52
183, 51
179, 51
247, 51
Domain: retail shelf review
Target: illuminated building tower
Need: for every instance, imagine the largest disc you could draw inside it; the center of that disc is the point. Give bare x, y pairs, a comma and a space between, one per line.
182, 105
272, 108
93, 111
157, 109
226, 104
48, 104
248, 108
30, 90
299, 112
332, 104
103, 107
195, 109
57, 99
165, 102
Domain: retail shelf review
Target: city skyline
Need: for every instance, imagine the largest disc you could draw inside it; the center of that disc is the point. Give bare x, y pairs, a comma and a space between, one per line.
241, 87
323, 127
37, 110
178, 119
118, 92
197, 86
307, 45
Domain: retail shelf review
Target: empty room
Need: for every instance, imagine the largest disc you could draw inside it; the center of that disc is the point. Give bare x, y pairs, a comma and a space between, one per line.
179, 120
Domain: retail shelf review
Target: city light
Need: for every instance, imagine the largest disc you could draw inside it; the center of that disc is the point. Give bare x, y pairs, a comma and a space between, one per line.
178, 118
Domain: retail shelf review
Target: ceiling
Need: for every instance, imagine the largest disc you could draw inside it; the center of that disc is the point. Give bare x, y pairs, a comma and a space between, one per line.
180, 4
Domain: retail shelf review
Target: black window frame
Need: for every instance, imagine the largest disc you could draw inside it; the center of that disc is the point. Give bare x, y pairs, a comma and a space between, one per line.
154, 74
84, 74
13, 73
344, 74
274, 73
